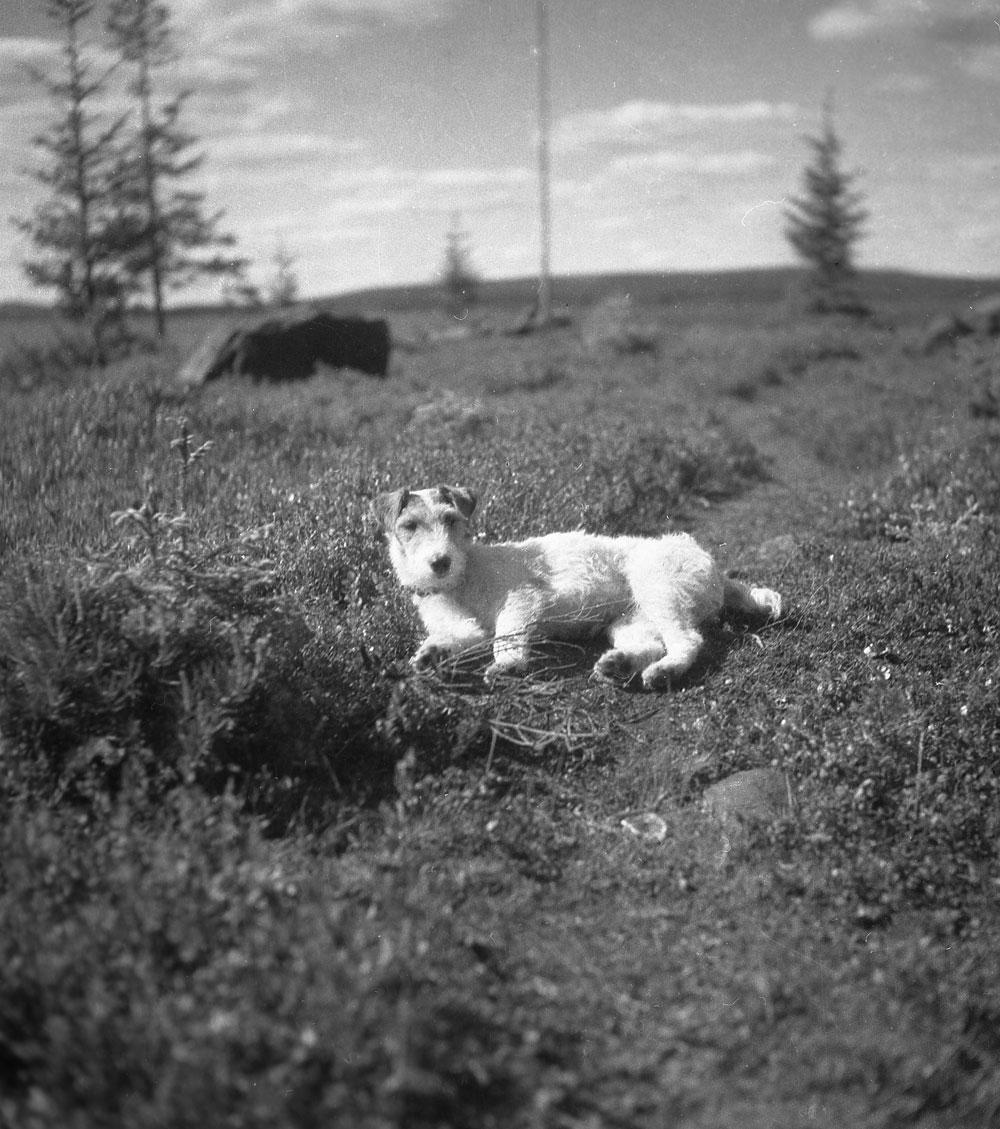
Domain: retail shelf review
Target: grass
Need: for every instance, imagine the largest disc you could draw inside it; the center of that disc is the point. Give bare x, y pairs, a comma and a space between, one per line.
253, 871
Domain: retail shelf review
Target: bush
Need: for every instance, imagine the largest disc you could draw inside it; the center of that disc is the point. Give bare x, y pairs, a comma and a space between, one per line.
149, 678
27, 366
941, 489
188, 666
901, 724
610, 326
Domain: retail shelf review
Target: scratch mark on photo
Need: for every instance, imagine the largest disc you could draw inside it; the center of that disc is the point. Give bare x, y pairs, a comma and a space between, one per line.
762, 204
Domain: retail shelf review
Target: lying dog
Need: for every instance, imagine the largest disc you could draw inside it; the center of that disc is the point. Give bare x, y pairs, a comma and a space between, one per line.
649, 595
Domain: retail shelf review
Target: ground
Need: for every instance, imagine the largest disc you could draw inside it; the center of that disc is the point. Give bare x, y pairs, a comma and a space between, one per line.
254, 871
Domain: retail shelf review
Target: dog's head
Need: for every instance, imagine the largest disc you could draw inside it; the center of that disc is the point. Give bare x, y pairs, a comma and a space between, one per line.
428, 533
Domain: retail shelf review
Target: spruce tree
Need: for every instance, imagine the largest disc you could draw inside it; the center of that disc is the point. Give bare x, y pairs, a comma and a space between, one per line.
74, 228
283, 289
459, 281
164, 232
825, 223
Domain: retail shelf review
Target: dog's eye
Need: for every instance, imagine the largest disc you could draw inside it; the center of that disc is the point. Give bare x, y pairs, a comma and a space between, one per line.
407, 527
450, 521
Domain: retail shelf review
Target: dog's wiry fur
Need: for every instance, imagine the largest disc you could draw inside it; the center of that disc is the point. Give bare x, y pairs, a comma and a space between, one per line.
648, 595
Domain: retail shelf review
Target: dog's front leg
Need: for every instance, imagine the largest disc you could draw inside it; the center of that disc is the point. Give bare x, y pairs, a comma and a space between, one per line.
435, 649
449, 633
512, 641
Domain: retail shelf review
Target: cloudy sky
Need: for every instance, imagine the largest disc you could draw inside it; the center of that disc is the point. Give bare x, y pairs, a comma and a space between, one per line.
352, 132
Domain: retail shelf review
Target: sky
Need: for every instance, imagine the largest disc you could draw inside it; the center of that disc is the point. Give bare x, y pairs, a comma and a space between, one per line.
352, 135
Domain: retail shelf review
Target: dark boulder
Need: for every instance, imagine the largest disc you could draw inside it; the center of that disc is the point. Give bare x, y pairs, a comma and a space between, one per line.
290, 348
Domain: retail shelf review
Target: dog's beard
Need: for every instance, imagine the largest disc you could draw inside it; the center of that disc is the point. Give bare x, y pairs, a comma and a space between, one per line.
428, 582
418, 576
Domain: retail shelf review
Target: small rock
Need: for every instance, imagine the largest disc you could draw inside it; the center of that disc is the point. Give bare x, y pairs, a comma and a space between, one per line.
872, 915
756, 795
649, 825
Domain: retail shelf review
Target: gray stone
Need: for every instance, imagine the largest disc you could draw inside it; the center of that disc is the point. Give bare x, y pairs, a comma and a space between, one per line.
756, 795
944, 331
986, 315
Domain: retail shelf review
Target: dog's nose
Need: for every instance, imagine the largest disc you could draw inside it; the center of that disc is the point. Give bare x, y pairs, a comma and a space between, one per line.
440, 565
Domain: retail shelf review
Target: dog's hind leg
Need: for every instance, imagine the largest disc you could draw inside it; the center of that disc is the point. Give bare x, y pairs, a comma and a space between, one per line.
682, 646
635, 644
740, 597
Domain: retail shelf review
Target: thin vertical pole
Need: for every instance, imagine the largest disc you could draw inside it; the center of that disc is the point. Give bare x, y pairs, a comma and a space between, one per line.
544, 308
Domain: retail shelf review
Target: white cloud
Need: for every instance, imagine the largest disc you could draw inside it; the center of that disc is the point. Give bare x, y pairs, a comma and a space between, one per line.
21, 51
972, 170
22, 119
740, 162
944, 19
203, 12
982, 62
352, 203
22, 58
388, 190
848, 21
404, 11
278, 150
642, 122
978, 233
905, 82
252, 28
475, 183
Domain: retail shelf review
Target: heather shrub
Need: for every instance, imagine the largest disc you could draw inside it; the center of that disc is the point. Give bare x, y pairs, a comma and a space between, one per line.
145, 679
180, 661
784, 354
900, 758
611, 327
604, 476
939, 489
902, 717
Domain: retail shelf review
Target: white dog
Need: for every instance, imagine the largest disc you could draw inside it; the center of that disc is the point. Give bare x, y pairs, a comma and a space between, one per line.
649, 595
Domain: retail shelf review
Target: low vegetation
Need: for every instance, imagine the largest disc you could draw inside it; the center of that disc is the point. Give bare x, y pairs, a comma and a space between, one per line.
254, 871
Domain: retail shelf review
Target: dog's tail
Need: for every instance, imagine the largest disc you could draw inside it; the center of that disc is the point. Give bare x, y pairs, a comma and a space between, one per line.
741, 598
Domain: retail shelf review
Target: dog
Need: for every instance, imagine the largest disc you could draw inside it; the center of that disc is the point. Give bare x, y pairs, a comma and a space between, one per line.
649, 595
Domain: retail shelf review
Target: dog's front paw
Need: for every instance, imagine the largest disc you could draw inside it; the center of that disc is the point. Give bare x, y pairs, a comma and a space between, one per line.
429, 656
497, 670
614, 666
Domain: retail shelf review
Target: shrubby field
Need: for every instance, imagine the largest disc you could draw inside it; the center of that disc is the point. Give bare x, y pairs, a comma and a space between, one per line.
255, 872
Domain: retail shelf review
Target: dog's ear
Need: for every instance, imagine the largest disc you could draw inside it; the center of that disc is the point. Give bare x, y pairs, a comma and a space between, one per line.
387, 507
461, 497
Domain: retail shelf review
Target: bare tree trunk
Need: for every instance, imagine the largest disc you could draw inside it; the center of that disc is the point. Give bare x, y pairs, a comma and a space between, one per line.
152, 197
91, 298
543, 309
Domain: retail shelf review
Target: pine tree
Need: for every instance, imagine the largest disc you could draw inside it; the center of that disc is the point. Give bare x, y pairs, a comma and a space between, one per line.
164, 233
825, 222
283, 290
74, 227
459, 281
